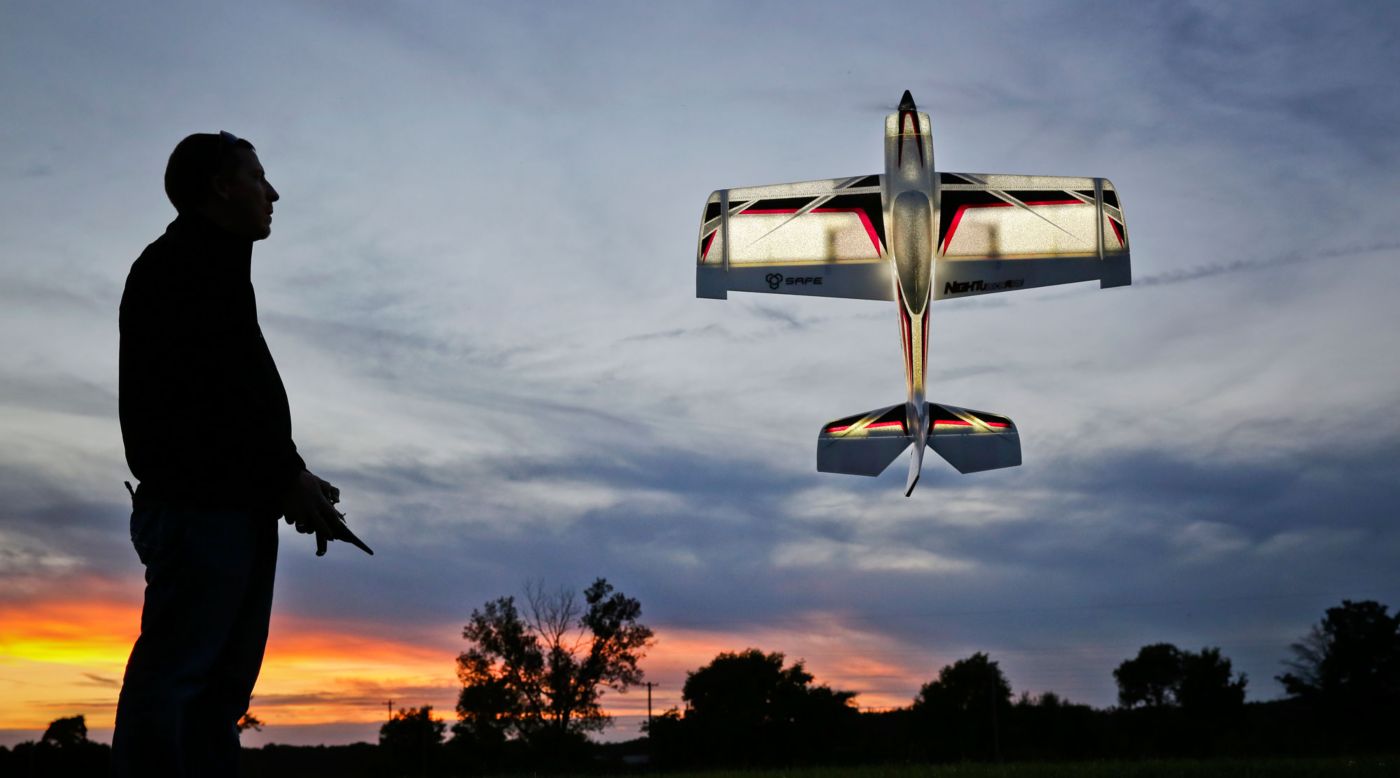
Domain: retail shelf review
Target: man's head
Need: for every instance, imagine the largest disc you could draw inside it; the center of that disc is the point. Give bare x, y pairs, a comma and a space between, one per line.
220, 177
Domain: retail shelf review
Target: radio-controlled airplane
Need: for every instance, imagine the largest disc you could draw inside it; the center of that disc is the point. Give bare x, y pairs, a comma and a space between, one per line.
908, 236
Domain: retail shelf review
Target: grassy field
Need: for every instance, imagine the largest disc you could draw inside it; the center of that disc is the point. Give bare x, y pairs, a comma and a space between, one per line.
1175, 768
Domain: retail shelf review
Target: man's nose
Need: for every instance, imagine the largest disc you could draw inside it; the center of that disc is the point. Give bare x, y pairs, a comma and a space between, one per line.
272, 195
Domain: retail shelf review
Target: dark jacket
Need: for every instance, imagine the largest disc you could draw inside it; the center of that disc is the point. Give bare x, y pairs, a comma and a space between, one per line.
203, 411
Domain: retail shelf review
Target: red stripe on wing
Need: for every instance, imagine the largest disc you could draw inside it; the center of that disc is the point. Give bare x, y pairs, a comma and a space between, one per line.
961, 423
879, 425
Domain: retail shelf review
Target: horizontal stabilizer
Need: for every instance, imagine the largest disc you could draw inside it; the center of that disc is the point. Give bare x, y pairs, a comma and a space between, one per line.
973, 441
865, 444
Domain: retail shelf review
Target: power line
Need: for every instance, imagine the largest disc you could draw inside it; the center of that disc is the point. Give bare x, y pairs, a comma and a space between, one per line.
911, 614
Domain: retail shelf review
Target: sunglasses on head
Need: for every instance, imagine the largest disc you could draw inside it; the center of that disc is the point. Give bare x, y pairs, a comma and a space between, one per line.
227, 141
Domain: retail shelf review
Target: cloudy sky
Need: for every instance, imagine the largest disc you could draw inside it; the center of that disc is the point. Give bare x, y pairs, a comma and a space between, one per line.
480, 291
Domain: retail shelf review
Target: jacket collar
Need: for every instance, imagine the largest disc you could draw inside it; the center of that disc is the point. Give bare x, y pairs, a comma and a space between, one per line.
212, 250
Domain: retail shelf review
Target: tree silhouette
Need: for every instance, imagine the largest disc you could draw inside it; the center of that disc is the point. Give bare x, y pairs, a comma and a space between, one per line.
70, 732
248, 721
1050, 726
964, 708
1206, 685
1163, 675
1151, 678
965, 685
412, 737
63, 750
541, 675
747, 706
1350, 660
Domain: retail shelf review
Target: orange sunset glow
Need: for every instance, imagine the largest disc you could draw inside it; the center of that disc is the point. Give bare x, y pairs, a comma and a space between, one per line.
63, 657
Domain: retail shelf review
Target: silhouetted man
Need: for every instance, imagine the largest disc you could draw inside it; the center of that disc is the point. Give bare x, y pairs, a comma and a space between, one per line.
207, 430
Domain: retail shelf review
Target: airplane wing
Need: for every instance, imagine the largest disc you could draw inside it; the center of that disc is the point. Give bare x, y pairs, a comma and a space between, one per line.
1000, 232
824, 238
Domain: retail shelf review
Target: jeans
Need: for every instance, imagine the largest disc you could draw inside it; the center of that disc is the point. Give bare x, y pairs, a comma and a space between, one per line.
209, 576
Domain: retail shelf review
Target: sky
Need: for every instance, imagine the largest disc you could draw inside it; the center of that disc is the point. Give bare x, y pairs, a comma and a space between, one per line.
479, 289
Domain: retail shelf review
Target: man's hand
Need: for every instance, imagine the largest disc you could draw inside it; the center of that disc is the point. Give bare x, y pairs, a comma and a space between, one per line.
308, 506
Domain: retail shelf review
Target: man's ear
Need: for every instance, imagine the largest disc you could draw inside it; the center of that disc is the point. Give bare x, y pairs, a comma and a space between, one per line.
219, 186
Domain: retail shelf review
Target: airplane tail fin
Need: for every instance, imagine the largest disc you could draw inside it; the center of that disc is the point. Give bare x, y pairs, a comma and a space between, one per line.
865, 444
916, 469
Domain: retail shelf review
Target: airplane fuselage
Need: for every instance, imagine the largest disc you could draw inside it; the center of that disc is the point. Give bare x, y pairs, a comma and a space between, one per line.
911, 209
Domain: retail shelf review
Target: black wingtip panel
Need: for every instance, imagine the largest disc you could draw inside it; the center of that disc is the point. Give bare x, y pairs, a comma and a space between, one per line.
906, 103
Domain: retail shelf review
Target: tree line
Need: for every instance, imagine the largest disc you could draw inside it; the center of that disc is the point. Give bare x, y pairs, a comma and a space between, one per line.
533, 678
534, 674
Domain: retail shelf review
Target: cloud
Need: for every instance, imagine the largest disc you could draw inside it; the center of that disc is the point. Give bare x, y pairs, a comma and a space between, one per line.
23, 555
679, 333
102, 681
63, 394
828, 555
1248, 265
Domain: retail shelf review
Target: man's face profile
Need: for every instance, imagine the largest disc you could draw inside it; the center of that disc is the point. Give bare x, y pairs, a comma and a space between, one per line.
243, 197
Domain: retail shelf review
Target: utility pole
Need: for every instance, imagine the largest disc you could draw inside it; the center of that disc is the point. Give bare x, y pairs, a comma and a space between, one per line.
390, 704
649, 685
